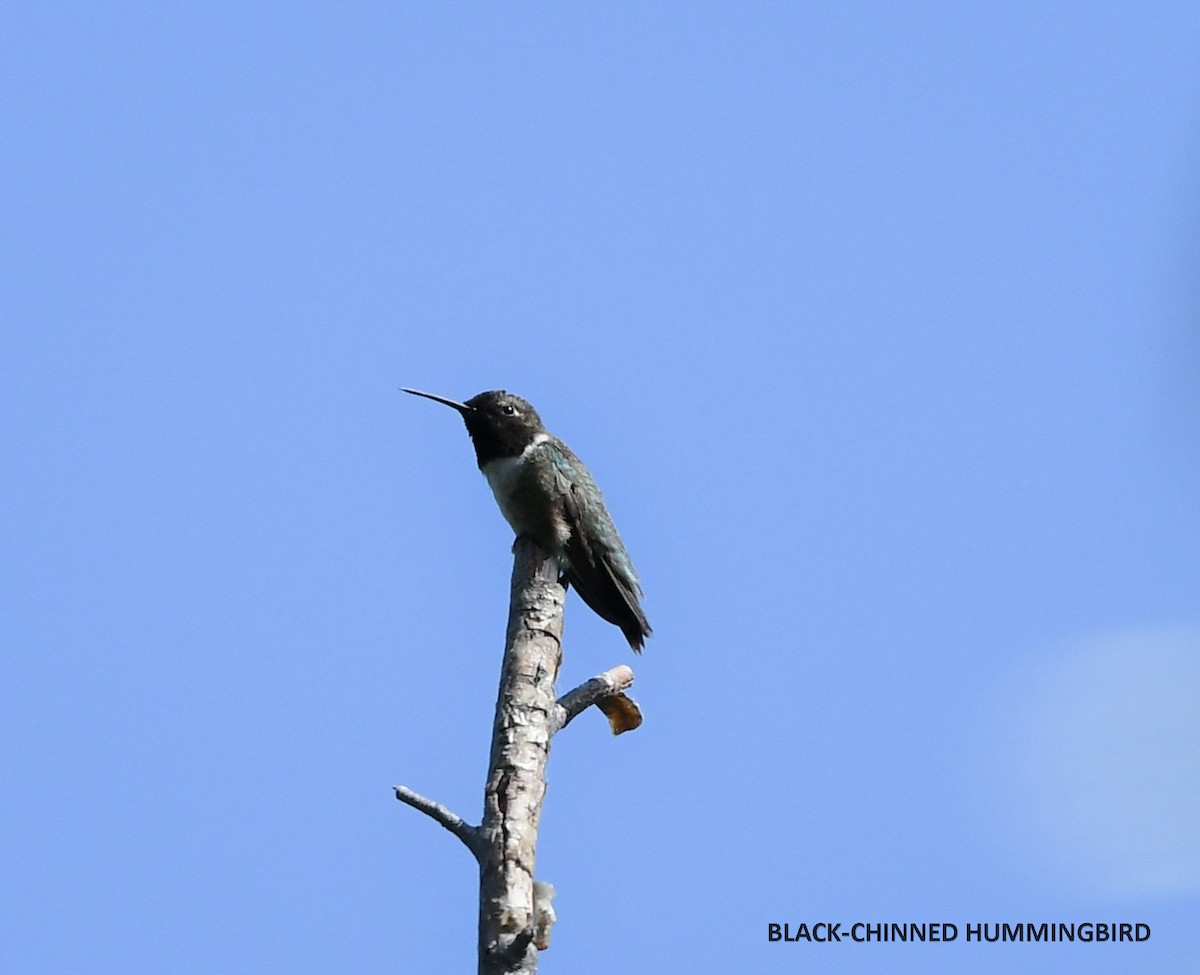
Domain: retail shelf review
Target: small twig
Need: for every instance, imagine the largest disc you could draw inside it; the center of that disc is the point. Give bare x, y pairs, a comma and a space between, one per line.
600, 688
470, 835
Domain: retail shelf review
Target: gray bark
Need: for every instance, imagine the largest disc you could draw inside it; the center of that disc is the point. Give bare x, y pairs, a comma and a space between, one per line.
514, 913
516, 783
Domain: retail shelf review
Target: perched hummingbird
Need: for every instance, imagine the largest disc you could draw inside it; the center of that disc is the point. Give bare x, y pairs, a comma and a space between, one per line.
545, 492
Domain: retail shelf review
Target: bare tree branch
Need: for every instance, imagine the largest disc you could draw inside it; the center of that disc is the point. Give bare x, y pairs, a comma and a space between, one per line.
471, 836
515, 913
603, 690
516, 783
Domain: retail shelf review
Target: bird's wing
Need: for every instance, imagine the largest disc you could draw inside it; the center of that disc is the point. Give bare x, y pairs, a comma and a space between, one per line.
599, 567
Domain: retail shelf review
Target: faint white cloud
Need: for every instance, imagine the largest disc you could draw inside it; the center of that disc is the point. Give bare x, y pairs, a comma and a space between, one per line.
1097, 776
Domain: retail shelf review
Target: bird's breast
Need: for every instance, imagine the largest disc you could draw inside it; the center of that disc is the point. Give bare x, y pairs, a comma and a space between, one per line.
504, 475
525, 500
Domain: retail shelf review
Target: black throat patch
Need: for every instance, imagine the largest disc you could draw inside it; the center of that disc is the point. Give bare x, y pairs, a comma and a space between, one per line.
501, 425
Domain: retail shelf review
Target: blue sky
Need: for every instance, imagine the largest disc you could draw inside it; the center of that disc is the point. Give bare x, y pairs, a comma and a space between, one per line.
879, 324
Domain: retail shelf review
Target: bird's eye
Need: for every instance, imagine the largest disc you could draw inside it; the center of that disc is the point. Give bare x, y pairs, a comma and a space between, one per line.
509, 409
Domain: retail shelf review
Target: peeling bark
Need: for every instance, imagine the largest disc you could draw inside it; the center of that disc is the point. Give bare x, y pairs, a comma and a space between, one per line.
516, 783
515, 913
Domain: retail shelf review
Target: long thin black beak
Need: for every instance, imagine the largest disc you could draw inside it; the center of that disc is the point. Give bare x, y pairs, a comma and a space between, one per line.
453, 403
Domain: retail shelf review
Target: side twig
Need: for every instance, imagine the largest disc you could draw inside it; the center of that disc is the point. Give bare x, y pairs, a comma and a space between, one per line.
471, 836
605, 691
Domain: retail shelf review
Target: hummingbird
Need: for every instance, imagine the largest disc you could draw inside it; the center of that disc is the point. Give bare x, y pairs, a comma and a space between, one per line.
545, 492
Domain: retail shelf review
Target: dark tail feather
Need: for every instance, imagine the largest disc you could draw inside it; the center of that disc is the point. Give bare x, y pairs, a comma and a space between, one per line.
615, 603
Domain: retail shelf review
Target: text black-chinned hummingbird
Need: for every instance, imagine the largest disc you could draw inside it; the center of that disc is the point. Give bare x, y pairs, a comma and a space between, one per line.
545, 492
